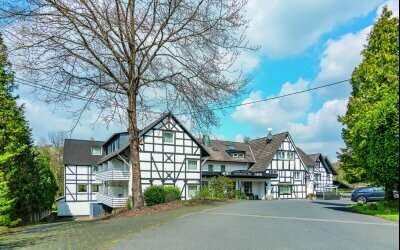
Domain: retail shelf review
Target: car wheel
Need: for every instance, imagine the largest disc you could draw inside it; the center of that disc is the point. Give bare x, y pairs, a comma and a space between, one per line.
362, 199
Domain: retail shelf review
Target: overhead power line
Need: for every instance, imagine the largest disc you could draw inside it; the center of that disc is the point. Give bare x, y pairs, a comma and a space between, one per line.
50, 89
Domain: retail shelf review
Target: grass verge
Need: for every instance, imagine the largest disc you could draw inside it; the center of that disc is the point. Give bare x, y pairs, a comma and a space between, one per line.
383, 209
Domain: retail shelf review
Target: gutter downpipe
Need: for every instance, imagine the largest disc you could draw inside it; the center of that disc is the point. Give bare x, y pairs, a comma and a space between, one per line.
201, 175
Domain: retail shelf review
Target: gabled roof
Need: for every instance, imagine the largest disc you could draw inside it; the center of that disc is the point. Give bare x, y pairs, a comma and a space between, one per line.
308, 161
78, 152
218, 151
264, 151
146, 129
314, 157
325, 162
328, 164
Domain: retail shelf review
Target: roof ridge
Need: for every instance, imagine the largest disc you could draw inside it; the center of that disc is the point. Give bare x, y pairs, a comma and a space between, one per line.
70, 139
272, 135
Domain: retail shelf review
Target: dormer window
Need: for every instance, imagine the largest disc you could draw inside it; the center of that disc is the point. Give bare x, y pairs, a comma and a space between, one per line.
237, 155
96, 150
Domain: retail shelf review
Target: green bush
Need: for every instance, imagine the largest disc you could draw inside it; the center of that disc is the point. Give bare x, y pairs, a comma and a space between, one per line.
240, 195
173, 193
154, 195
219, 186
128, 203
203, 194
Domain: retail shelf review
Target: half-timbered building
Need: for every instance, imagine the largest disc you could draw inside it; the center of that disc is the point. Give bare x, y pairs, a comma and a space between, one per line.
168, 155
264, 168
80, 186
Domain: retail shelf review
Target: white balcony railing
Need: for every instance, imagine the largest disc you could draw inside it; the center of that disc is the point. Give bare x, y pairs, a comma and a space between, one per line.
112, 175
112, 196
113, 170
113, 202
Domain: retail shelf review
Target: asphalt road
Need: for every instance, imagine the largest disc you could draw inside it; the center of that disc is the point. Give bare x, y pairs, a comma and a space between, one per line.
280, 224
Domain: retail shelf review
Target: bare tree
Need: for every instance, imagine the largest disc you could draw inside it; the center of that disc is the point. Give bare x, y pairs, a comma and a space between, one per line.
56, 140
131, 58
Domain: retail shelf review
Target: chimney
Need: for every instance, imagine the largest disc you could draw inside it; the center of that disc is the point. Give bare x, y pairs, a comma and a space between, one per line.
206, 140
269, 136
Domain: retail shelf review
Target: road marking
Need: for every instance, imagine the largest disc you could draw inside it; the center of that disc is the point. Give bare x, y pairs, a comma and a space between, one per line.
304, 219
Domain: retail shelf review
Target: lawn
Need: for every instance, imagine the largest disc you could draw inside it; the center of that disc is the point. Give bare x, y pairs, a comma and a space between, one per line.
97, 234
382, 209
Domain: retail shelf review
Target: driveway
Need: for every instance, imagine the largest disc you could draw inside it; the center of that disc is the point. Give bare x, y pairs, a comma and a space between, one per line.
280, 224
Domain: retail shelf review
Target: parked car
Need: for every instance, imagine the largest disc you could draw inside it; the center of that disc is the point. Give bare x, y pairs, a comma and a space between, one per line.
366, 194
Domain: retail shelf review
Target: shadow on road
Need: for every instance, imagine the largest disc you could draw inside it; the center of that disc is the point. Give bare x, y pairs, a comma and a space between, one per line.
342, 207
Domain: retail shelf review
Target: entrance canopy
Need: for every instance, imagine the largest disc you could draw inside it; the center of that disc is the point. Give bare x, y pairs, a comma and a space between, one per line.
241, 174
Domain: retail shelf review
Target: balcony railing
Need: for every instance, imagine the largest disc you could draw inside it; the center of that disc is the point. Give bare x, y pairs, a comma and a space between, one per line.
113, 175
110, 201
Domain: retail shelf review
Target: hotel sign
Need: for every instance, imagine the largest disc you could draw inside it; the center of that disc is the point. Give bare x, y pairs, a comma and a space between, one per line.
245, 173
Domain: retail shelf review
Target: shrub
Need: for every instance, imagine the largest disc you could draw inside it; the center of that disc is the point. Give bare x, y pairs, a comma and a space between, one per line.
172, 193
219, 186
240, 195
203, 194
128, 203
154, 195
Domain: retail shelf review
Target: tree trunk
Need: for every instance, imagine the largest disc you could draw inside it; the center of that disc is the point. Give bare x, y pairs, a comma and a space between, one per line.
388, 193
137, 198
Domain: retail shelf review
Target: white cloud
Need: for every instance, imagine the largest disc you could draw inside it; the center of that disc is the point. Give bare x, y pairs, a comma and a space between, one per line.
338, 61
274, 113
393, 5
321, 132
287, 28
42, 121
239, 138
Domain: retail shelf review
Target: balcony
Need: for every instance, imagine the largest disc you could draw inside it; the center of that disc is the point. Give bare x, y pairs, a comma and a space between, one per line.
113, 202
113, 170
113, 196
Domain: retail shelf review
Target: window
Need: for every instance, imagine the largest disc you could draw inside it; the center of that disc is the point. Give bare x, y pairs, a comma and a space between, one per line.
210, 168
192, 190
274, 172
297, 175
317, 177
248, 187
192, 165
168, 137
95, 169
281, 155
234, 185
285, 189
237, 155
290, 155
82, 188
222, 168
95, 188
96, 150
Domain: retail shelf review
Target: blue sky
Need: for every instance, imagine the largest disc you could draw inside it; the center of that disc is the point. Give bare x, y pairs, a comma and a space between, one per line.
303, 44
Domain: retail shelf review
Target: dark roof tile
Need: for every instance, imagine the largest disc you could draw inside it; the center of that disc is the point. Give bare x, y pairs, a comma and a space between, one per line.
264, 151
78, 152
